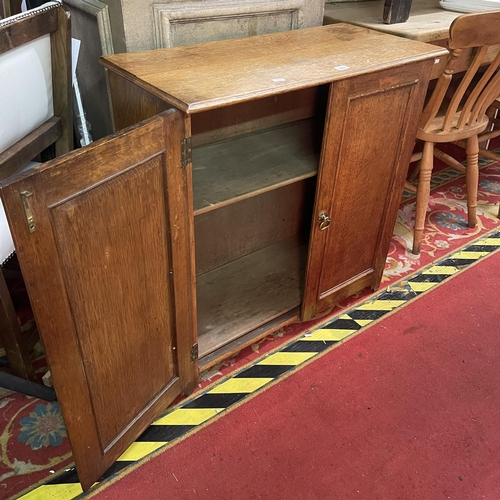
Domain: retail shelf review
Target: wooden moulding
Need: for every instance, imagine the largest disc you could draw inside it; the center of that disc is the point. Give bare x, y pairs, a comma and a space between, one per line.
189, 22
29, 146
29, 28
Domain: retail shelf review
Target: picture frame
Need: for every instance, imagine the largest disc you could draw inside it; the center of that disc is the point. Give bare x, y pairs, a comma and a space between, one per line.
90, 23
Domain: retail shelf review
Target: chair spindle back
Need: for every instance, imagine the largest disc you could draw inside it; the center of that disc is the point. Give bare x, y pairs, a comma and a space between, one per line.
476, 92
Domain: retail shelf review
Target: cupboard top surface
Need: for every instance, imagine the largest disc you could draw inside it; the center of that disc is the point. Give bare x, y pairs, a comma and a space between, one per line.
198, 77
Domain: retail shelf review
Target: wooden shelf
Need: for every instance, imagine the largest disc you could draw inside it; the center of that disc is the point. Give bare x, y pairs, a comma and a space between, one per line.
235, 169
242, 295
249, 338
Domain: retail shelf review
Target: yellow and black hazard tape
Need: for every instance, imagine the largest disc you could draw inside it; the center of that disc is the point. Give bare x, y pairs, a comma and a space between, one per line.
206, 405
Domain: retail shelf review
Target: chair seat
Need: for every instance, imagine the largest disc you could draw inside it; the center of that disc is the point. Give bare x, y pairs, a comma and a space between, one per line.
434, 132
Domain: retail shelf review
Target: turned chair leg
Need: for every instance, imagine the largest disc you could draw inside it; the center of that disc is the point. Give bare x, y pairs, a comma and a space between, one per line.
423, 194
472, 179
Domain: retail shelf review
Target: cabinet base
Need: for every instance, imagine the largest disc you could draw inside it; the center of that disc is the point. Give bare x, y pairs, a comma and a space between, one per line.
240, 343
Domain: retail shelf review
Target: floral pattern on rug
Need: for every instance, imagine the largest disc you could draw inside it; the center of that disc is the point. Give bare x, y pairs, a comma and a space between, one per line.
33, 442
446, 222
43, 427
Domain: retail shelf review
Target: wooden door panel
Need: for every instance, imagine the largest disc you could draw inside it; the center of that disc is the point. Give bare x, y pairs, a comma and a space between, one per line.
361, 178
119, 221
362, 208
116, 322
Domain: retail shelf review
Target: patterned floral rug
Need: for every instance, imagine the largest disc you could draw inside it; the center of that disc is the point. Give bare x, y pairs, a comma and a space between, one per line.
33, 440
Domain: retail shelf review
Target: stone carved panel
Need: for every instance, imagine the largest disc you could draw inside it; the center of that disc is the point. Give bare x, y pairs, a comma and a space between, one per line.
148, 24
184, 23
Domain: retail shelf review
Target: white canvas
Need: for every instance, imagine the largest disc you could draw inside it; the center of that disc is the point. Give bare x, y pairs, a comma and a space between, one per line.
6, 243
25, 90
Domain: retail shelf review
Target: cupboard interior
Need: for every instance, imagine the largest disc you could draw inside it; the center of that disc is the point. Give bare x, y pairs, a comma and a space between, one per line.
254, 182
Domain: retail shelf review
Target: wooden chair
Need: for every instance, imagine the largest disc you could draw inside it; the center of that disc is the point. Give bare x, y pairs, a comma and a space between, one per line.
35, 112
463, 116
494, 115
492, 133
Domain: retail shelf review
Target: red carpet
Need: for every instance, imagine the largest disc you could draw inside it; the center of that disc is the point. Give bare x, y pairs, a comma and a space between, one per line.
34, 444
408, 409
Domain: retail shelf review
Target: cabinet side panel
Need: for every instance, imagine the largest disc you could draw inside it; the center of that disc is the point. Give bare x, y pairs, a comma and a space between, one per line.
132, 104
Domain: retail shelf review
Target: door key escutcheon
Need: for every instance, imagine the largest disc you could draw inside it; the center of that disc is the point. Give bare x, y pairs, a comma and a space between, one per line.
324, 221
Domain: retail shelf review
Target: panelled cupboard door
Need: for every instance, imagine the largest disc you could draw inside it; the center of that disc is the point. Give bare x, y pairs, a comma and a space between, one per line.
369, 135
108, 225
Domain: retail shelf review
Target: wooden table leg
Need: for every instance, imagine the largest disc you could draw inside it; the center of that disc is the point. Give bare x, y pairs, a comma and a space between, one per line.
11, 336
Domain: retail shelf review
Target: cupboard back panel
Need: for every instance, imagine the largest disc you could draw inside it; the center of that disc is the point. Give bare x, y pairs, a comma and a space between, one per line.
235, 230
249, 292
222, 123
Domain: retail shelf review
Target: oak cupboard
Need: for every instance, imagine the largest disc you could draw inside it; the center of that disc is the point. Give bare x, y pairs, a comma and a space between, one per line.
298, 146
261, 188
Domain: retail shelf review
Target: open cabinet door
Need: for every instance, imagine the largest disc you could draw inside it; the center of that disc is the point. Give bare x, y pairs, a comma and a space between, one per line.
104, 239
369, 135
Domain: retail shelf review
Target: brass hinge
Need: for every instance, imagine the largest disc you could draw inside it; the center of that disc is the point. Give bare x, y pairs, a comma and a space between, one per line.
186, 151
194, 353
